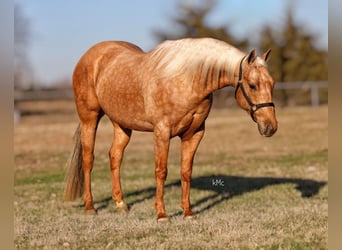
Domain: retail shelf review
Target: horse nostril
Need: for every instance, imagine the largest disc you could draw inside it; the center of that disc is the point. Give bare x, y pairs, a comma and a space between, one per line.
267, 129
270, 130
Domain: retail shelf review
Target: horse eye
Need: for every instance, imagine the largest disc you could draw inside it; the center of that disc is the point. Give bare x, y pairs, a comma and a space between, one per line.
252, 86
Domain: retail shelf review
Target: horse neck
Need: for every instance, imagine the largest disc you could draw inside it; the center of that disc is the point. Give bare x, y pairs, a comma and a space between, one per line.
216, 78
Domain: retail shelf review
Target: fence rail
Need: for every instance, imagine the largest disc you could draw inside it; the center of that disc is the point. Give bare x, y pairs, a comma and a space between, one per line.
41, 95
67, 94
312, 86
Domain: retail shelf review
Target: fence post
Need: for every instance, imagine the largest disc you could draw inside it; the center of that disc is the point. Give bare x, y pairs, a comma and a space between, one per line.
314, 96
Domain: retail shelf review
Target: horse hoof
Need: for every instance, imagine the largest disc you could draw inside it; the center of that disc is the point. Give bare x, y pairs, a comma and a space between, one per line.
121, 207
163, 218
190, 217
90, 212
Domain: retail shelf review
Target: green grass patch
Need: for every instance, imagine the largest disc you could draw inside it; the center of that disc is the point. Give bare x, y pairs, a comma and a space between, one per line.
248, 192
41, 178
320, 156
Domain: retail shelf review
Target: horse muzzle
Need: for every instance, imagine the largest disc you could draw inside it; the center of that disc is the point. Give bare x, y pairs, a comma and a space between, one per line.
267, 129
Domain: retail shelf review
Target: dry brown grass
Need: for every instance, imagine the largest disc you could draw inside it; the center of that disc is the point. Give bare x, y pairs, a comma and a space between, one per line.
273, 195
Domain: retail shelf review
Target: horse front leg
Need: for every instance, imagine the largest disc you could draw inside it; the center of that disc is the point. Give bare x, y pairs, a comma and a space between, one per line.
189, 147
161, 150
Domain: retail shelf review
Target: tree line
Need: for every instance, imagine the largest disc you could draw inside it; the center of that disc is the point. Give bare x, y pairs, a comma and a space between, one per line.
294, 54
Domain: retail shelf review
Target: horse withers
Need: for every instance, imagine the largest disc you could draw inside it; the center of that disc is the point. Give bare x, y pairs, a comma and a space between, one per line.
167, 91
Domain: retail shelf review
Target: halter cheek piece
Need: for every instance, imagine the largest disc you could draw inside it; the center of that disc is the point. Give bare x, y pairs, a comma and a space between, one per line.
253, 107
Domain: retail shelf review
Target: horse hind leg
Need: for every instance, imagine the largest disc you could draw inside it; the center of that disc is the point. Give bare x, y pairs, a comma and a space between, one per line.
88, 133
120, 141
90, 113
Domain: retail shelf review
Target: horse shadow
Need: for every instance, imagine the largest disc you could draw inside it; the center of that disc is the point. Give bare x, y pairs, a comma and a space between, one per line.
223, 188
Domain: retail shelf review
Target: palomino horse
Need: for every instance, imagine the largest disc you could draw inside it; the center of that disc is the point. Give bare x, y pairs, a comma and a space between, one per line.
167, 91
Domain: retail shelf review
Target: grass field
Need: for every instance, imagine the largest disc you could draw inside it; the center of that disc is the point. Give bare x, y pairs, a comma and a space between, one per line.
249, 192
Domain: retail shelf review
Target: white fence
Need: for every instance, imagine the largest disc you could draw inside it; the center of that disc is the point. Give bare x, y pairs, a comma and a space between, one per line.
67, 94
313, 87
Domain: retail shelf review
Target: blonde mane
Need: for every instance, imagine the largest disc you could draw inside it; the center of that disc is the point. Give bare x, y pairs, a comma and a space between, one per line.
189, 55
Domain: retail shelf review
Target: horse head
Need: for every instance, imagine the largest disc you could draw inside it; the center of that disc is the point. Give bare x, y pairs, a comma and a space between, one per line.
253, 92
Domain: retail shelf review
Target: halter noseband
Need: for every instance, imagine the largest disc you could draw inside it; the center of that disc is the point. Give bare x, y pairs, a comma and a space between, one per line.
253, 107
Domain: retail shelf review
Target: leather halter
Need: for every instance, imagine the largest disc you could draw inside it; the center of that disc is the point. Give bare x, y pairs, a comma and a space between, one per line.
253, 107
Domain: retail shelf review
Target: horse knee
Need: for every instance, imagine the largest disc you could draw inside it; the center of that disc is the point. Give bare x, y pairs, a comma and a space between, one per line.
161, 174
186, 175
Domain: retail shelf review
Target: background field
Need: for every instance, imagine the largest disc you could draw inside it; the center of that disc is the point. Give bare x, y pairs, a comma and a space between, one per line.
249, 192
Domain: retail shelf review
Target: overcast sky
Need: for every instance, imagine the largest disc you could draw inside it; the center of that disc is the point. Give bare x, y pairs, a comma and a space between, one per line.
62, 30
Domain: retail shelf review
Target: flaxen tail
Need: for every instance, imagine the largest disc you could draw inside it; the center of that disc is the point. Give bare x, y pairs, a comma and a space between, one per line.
74, 177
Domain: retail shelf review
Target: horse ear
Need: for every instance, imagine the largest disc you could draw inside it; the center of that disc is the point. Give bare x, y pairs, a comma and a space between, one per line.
251, 56
266, 55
